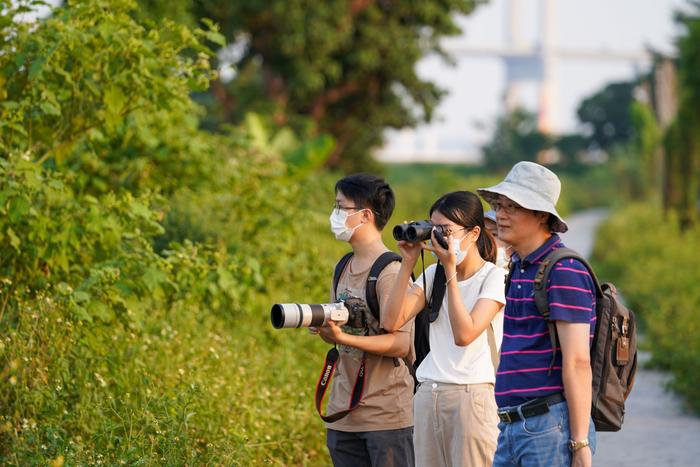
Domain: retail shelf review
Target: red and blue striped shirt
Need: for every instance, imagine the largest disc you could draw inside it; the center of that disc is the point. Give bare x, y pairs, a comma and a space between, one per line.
526, 352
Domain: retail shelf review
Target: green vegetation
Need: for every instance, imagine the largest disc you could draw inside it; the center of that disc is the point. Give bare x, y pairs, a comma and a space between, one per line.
651, 262
348, 66
647, 247
682, 141
140, 254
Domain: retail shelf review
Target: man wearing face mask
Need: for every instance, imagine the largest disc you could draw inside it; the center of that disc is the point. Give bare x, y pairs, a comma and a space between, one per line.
379, 431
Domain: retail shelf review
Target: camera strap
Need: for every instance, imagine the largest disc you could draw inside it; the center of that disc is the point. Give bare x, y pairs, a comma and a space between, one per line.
325, 379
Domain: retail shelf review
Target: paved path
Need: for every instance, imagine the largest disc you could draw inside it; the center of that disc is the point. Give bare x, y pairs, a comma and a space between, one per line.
656, 432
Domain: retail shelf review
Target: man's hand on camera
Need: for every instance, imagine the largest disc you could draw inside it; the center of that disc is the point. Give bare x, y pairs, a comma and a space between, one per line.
332, 333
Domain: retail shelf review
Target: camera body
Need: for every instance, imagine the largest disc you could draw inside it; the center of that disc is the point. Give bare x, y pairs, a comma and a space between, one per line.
352, 312
419, 231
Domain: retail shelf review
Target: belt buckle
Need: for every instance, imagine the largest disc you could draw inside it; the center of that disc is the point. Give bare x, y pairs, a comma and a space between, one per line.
505, 417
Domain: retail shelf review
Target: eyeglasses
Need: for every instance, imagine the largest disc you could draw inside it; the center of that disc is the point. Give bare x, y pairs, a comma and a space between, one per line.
509, 208
338, 207
447, 230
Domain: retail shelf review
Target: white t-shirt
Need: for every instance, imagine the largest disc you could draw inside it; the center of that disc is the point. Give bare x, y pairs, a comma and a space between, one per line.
471, 364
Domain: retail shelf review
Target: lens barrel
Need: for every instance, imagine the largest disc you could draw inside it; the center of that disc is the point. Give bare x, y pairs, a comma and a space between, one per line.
399, 232
297, 315
419, 231
413, 232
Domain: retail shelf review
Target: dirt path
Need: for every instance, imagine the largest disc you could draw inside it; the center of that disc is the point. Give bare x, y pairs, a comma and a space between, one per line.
657, 432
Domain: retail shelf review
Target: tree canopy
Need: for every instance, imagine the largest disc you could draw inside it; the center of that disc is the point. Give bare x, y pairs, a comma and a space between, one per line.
606, 114
349, 66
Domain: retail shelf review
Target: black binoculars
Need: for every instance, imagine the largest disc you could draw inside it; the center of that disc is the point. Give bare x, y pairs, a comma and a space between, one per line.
419, 231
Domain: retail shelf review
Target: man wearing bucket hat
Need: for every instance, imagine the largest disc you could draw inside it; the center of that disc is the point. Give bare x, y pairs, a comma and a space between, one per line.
544, 400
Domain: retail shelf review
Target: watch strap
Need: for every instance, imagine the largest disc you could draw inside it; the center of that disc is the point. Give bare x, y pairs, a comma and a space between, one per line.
576, 445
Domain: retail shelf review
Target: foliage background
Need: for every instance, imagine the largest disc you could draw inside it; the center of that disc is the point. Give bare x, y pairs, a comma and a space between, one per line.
141, 251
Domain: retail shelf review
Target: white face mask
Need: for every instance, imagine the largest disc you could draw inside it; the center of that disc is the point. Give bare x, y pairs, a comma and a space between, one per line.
338, 227
459, 253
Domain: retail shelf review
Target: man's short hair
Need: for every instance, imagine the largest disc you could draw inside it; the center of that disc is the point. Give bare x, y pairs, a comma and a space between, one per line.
370, 192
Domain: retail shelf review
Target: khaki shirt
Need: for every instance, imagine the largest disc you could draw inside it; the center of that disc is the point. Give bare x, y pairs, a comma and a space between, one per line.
387, 399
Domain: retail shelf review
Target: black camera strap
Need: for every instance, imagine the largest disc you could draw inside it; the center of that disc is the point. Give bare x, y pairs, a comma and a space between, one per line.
325, 379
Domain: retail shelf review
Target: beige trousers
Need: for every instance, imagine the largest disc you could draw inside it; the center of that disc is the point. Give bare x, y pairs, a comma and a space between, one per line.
455, 425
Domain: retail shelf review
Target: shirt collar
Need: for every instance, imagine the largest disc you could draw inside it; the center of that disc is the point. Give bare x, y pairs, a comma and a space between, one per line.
540, 252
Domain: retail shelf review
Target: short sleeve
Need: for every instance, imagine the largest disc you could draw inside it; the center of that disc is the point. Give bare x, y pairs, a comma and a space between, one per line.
571, 292
385, 284
429, 278
494, 285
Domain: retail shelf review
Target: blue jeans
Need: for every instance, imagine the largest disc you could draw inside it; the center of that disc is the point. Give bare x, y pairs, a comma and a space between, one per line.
540, 441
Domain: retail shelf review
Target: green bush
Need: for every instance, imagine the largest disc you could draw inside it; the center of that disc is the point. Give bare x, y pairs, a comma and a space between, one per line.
114, 351
651, 261
140, 254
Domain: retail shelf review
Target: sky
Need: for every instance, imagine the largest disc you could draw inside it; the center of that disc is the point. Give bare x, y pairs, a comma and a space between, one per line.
464, 119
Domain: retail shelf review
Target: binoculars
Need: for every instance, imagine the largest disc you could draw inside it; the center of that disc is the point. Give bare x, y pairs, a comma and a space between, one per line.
419, 231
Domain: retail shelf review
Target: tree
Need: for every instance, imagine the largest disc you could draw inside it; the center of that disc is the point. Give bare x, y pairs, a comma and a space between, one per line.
682, 142
515, 138
606, 114
350, 66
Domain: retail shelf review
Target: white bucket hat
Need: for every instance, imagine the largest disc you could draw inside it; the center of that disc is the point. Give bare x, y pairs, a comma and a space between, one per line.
533, 187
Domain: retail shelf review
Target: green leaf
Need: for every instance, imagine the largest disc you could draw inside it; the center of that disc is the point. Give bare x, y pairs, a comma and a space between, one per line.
81, 296
50, 109
216, 38
36, 67
81, 314
114, 101
14, 239
18, 209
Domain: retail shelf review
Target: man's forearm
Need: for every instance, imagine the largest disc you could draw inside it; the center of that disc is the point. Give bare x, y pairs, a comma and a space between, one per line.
390, 345
577, 379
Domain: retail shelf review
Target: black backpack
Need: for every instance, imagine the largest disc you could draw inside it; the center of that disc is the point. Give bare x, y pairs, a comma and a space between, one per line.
614, 347
421, 341
332, 357
422, 321
371, 289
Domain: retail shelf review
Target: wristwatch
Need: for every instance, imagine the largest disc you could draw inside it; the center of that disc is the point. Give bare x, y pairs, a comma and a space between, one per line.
576, 445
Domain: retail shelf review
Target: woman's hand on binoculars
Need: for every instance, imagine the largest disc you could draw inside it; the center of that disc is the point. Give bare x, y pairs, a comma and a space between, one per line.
445, 255
410, 251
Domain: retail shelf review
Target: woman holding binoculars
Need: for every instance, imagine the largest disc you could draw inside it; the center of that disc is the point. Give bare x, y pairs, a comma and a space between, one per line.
455, 413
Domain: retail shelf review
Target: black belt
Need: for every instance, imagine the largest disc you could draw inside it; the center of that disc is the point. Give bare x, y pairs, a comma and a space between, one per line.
530, 408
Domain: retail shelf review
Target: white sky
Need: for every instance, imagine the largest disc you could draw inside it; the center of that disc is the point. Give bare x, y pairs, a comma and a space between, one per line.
476, 84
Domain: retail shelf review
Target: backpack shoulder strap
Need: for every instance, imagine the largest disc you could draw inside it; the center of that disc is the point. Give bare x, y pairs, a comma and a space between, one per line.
509, 276
339, 268
438, 292
545, 269
371, 291
541, 279
490, 332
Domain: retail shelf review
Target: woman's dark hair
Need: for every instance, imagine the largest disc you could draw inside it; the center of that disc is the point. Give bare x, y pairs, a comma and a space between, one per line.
464, 208
371, 192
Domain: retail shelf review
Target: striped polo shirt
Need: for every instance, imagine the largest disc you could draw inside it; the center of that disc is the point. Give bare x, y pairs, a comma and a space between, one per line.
526, 352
